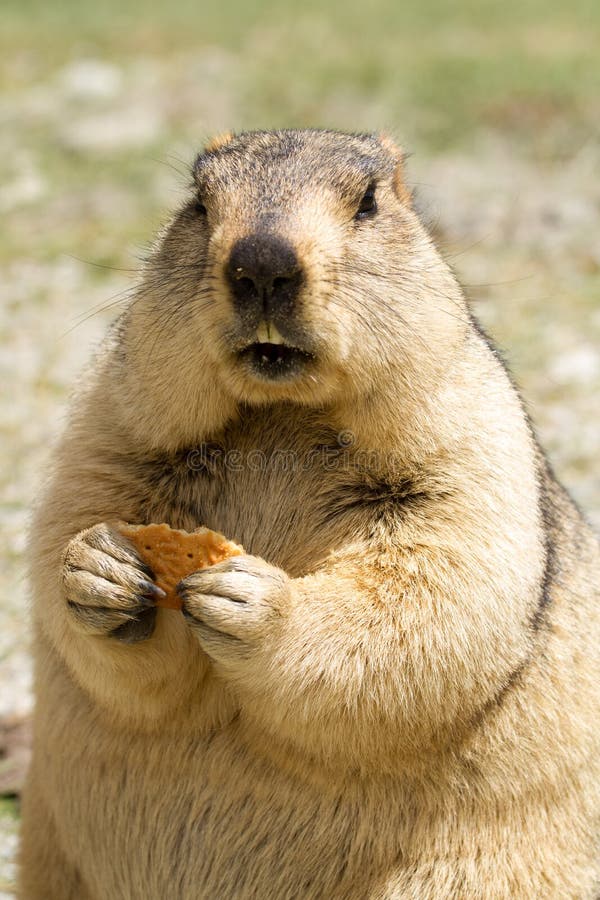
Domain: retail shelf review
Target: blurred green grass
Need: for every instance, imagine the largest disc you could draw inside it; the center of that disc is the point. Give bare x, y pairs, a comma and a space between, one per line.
440, 69
9, 807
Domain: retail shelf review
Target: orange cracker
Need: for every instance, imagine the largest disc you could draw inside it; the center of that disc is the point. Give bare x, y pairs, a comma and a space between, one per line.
172, 553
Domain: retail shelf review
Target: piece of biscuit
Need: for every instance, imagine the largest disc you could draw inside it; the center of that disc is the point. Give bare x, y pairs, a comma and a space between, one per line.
172, 553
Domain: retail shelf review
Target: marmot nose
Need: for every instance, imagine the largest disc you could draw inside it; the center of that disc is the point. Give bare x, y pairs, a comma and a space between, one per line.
263, 271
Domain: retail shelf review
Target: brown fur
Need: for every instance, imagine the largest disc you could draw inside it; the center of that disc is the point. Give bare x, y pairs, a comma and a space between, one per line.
396, 694
218, 141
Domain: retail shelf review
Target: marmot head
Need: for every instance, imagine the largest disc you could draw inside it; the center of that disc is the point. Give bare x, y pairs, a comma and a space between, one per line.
298, 270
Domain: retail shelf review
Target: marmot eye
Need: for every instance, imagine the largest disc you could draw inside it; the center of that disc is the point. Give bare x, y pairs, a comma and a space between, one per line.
199, 207
368, 204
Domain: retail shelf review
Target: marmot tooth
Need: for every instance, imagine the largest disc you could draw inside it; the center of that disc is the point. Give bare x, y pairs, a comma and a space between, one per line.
266, 333
274, 336
263, 333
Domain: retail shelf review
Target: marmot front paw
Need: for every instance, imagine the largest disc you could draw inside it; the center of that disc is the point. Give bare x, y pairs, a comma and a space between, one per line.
108, 588
232, 605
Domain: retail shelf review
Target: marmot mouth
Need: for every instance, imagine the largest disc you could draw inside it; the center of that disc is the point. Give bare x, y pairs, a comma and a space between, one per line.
275, 361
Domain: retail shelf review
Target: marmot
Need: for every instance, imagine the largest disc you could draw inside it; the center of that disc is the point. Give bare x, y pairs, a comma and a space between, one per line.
394, 692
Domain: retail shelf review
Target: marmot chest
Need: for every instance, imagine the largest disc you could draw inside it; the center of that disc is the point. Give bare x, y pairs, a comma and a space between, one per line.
278, 489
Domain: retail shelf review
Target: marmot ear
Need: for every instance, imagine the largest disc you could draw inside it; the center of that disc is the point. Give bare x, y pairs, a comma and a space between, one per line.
219, 140
402, 191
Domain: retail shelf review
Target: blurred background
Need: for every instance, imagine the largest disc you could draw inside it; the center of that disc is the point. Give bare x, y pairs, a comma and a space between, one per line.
104, 105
